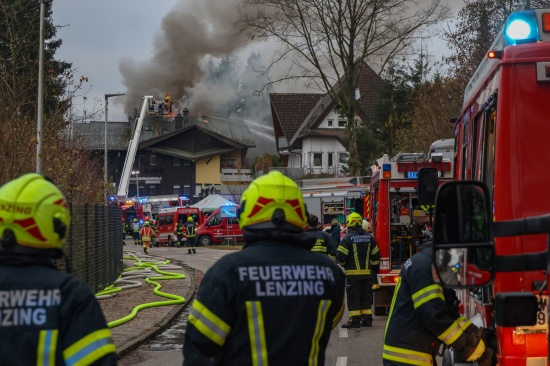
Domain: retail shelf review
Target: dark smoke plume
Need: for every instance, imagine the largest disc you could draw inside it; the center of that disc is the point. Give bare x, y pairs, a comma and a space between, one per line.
192, 30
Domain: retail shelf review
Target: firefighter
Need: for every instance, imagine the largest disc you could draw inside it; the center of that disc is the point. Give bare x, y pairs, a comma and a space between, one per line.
123, 232
358, 254
128, 228
154, 234
48, 316
146, 233
135, 232
191, 235
323, 243
421, 318
273, 302
178, 231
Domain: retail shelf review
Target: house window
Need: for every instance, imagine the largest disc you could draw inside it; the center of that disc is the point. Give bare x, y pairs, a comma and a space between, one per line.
342, 123
176, 190
186, 162
317, 159
153, 160
198, 189
343, 158
330, 122
151, 190
186, 190
141, 160
330, 159
176, 161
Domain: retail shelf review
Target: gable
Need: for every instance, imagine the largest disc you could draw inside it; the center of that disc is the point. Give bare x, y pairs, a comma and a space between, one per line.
289, 111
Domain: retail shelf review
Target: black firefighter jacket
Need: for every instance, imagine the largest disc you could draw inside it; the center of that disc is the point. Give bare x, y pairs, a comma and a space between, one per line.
358, 253
271, 303
420, 319
49, 317
323, 243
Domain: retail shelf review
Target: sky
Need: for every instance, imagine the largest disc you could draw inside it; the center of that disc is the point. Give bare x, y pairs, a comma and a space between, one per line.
127, 46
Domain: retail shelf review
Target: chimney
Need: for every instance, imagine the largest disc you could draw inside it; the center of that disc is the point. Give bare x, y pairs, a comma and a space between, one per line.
179, 121
185, 115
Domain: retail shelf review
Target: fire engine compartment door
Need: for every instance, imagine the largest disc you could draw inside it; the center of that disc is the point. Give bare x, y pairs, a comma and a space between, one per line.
403, 203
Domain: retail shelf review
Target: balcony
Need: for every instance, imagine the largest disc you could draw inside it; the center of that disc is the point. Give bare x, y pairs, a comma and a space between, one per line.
236, 175
310, 172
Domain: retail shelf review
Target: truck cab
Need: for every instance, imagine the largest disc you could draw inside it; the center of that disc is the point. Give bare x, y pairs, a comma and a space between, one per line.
221, 226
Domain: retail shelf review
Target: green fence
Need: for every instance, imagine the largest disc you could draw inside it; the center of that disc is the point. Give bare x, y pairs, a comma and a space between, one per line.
94, 245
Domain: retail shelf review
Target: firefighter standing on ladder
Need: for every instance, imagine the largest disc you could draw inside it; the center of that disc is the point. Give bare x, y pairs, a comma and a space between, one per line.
274, 302
421, 319
358, 254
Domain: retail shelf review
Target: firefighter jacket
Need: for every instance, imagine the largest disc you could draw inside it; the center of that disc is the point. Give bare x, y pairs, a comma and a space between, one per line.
274, 302
146, 233
49, 317
420, 319
190, 229
323, 243
135, 227
178, 230
358, 253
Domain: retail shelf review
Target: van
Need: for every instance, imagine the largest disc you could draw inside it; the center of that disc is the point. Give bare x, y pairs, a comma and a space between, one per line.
169, 217
220, 226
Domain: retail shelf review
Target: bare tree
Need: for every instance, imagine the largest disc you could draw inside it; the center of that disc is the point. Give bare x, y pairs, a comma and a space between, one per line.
330, 40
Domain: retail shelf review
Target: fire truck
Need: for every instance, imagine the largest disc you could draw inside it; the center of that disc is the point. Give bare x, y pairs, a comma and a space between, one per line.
393, 209
502, 139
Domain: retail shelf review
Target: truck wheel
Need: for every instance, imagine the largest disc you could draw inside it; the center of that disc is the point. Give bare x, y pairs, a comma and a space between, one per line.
205, 240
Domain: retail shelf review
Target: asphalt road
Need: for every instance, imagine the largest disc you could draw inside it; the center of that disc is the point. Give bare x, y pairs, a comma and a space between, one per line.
347, 347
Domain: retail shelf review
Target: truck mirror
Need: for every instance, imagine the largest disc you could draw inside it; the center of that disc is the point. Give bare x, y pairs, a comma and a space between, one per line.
463, 253
427, 186
460, 267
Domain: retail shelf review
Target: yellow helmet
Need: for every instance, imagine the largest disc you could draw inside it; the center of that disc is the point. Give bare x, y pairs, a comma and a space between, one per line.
190, 219
273, 201
354, 219
33, 213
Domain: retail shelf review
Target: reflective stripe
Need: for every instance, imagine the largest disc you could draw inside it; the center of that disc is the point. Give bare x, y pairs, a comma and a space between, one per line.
357, 271
208, 323
90, 348
47, 344
452, 333
343, 249
324, 305
338, 316
375, 250
395, 292
477, 352
407, 356
464, 323
319, 248
356, 257
366, 311
354, 313
256, 332
426, 294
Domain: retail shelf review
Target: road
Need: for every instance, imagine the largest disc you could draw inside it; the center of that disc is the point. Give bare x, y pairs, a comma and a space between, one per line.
347, 347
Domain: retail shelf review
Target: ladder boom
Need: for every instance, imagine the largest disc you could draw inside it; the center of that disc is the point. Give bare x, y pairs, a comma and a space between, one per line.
132, 150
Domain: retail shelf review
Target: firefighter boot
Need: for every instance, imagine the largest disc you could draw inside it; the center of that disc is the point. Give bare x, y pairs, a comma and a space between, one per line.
194, 251
352, 323
144, 249
188, 250
366, 322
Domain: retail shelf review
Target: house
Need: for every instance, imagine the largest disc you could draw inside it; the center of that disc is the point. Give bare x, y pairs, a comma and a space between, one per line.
310, 133
183, 156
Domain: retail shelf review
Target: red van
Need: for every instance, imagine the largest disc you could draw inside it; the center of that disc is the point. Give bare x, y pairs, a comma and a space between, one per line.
221, 225
169, 217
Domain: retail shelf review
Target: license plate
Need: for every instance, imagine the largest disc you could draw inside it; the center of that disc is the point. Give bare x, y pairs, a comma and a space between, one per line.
542, 318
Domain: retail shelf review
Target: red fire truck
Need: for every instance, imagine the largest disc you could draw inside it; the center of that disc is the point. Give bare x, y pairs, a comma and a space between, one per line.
502, 140
393, 210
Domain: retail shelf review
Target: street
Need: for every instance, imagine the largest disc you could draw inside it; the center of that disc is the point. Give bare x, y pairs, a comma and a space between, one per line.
353, 347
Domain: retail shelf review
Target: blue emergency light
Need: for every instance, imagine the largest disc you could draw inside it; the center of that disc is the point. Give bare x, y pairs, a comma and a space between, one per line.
521, 27
112, 198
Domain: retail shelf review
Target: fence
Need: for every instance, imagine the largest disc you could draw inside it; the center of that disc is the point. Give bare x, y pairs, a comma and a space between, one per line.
94, 245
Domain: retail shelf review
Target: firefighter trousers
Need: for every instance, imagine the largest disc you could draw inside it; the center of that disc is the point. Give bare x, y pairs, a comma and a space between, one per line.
146, 246
359, 297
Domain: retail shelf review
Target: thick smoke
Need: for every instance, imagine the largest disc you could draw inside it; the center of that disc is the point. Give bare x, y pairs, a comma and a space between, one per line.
191, 31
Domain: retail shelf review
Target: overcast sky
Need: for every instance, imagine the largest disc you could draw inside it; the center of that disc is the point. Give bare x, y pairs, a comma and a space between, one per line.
98, 34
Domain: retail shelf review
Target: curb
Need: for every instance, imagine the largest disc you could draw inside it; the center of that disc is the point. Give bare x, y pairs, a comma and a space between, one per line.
132, 345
